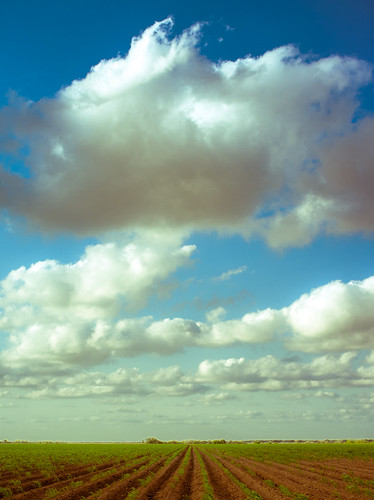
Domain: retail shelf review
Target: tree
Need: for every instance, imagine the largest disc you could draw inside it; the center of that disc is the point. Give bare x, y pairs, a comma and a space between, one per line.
153, 440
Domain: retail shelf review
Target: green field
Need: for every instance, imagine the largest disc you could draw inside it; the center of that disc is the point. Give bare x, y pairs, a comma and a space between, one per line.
200, 470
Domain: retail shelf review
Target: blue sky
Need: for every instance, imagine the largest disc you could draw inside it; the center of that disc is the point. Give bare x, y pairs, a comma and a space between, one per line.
187, 220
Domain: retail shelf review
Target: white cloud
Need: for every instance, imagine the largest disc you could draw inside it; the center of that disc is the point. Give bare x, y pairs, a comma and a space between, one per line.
163, 136
215, 315
252, 328
271, 374
216, 399
94, 286
68, 314
327, 395
169, 382
333, 317
370, 358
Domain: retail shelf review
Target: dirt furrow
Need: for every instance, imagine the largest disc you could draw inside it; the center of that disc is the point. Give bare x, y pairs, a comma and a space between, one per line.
361, 468
223, 486
336, 471
160, 481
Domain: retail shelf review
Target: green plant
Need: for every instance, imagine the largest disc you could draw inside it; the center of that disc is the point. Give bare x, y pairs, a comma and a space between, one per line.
284, 490
270, 483
51, 493
76, 484
5, 492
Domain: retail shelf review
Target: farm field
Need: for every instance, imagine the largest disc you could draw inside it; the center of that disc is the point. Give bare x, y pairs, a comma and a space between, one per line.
187, 471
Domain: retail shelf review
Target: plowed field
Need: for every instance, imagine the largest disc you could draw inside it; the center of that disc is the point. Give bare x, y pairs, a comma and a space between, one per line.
196, 472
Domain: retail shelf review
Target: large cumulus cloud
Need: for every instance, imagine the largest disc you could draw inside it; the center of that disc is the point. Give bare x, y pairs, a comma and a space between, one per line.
163, 136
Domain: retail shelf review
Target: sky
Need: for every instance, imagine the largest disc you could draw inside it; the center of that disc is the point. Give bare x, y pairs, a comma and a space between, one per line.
187, 218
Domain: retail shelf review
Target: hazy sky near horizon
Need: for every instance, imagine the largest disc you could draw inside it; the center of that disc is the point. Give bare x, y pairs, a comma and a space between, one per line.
187, 219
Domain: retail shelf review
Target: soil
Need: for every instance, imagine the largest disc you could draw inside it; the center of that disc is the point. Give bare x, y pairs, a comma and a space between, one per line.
230, 478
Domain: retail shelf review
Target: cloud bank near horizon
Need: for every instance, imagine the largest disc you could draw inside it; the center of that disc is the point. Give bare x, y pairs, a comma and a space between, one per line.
164, 137
227, 376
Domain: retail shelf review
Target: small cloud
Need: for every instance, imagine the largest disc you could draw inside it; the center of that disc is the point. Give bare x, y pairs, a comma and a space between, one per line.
293, 396
249, 414
215, 314
232, 272
228, 301
7, 224
216, 399
327, 395
370, 358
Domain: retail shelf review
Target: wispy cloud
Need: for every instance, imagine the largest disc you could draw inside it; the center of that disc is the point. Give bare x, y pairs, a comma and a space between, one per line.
229, 274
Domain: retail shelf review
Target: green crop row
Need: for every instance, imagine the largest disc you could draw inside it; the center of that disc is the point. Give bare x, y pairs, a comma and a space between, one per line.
208, 490
294, 452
